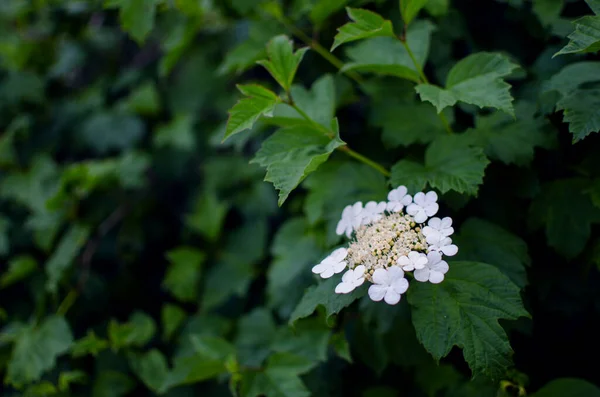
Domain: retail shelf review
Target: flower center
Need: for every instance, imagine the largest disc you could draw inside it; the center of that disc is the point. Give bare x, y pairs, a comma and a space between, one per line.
380, 244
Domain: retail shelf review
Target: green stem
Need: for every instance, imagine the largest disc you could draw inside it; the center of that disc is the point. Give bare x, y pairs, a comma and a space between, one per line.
66, 304
345, 148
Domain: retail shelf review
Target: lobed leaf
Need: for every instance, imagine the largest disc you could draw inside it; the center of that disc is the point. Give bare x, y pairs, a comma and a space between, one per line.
242, 116
367, 24
581, 109
283, 61
410, 8
585, 38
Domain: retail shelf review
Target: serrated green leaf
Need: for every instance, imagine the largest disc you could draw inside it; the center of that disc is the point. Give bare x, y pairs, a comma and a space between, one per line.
585, 38
508, 140
437, 8
112, 384
464, 311
387, 56
410, 8
107, 131
207, 215
366, 24
548, 11
572, 76
450, 164
292, 153
568, 387
594, 5
476, 80
242, 116
318, 103
151, 367
283, 61
172, 317
341, 346
64, 255
142, 100
183, 275
36, 350
322, 9
18, 269
567, 214
66, 379
136, 16
136, 332
255, 334
308, 338
279, 379
324, 295
483, 241
581, 109
178, 134
89, 344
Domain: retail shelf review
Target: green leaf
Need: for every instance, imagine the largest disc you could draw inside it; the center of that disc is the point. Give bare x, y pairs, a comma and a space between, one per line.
324, 295
548, 11
142, 100
568, 387
242, 116
183, 275
18, 269
367, 24
437, 8
594, 5
64, 255
172, 317
107, 131
66, 379
255, 334
464, 311
581, 109
585, 38
283, 61
36, 350
572, 76
318, 103
207, 216
177, 134
151, 367
136, 332
483, 241
410, 9
567, 214
508, 140
387, 56
112, 384
450, 164
476, 80
322, 9
136, 16
290, 154
4, 240
341, 346
279, 379
89, 344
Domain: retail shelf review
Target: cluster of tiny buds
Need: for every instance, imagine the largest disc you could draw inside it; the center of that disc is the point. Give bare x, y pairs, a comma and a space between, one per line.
388, 239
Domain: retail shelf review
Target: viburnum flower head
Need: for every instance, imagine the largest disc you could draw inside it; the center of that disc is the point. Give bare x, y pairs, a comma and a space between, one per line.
387, 240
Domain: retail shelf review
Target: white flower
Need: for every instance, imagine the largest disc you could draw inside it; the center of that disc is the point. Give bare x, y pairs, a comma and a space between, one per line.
333, 264
351, 219
439, 226
388, 285
424, 206
398, 199
437, 242
414, 260
352, 279
434, 270
373, 212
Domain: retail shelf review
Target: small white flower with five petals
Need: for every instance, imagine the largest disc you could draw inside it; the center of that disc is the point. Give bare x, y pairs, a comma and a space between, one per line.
373, 212
414, 260
439, 226
388, 285
424, 206
437, 242
352, 279
333, 264
351, 219
398, 199
434, 270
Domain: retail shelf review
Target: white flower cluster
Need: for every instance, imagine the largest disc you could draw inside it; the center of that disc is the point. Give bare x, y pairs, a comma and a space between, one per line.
388, 239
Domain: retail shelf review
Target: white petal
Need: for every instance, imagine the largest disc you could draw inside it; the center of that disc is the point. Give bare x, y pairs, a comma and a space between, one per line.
381, 206
436, 278
435, 223
339, 267
359, 282
344, 288
406, 200
433, 257
380, 276
359, 270
431, 197
446, 222
420, 217
395, 273
392, 195
432, 209
440, 267
419, 198
377, 292
348, 276
449, 250
402, 190
400, 285
420, 262
391, 297
341, 227
320, 268
412, 209
427, 230
422, 275
434, 239
328, 272
403, 261
339, 254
